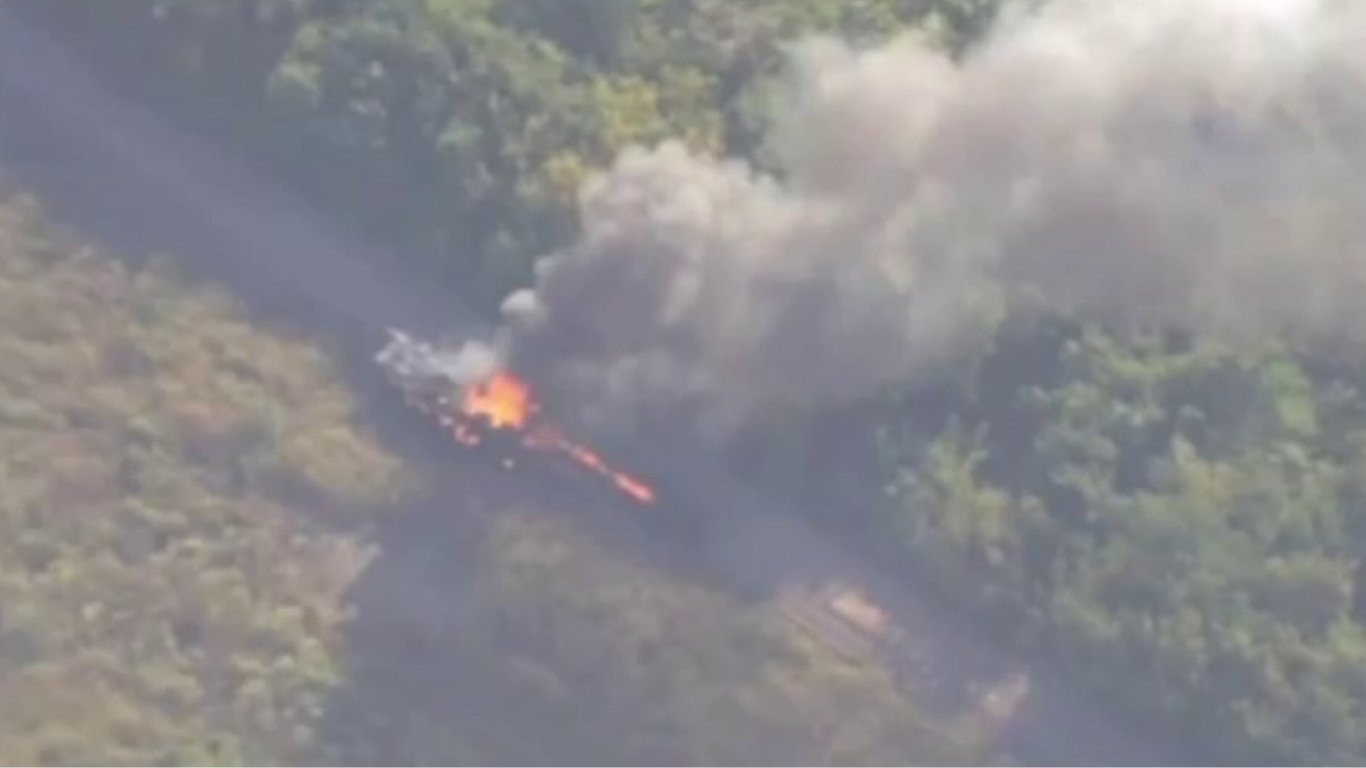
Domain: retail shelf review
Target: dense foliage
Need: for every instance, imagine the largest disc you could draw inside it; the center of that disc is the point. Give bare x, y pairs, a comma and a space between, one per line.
462, 128
1180, 523
160, 599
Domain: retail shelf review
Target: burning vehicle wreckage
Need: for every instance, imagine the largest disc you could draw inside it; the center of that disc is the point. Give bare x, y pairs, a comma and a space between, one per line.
498, 417
685, 499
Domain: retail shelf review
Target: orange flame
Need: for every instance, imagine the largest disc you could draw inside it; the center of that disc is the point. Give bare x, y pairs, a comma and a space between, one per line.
504, 401
546, 439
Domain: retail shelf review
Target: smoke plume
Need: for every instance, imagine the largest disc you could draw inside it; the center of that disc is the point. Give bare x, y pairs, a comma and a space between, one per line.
1156, 161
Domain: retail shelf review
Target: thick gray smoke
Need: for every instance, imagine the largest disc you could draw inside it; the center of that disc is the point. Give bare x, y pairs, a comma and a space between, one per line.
1190, 161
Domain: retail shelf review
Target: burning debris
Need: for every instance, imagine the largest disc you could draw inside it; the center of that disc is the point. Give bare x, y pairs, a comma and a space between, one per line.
438, 384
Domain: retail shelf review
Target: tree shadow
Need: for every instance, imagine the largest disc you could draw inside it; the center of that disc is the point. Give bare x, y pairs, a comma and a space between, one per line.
431, 673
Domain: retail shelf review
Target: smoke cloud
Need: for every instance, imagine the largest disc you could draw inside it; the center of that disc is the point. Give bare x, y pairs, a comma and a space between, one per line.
1197, 162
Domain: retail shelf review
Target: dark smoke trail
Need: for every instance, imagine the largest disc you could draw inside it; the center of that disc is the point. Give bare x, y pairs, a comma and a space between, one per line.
1186, 161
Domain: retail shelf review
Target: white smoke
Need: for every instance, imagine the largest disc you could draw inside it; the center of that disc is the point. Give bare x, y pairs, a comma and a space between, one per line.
1186, 161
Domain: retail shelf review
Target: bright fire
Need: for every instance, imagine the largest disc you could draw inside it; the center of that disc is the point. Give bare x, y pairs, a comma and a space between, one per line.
505, 402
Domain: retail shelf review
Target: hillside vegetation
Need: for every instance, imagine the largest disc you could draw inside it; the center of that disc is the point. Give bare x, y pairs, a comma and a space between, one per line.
1177, 522
163, 596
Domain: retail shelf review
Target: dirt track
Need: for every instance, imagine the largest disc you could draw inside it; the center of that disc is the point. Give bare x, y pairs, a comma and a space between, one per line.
127, 178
